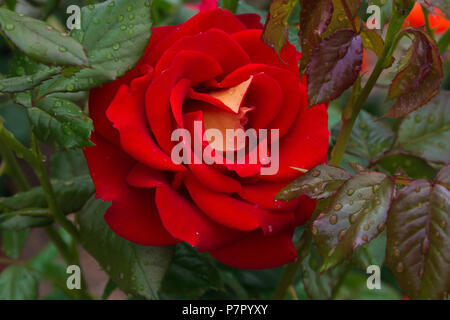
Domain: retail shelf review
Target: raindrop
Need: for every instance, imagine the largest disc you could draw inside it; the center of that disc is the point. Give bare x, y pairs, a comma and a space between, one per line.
351, 202
147, 4
9, 27
350, 192
130, 32
375, 188
96, 21
62, 49
333, 219
420, 205
418, 118
341, 17
365, 238
315, 173
131, 17
70, 87
443, 223
111, 4
400, 267
129, 9
366, 227
116, 46
353, 217
120, 18
338, 207
396, 252
314, 231
431, 118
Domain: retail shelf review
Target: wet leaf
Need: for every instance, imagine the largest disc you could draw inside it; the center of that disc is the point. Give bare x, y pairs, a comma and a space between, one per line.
426, 131
276, 28
115, 34
420, 75
341, 16
318, 183
40, 41
320, 285
369, 138
356, 215
23, 83
334, 66
414, 167
418, 238
136, 269
60, 123
314, 19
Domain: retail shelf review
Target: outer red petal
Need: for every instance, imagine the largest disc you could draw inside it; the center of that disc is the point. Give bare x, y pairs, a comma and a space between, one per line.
133, 216
257, 251
220, 19
109, 166
305, 146
184, 221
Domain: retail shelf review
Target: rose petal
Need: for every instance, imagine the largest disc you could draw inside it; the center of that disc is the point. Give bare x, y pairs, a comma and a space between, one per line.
184, 221
185, 65
141, 176
263, 193
128, 115
133, 216
257, 251
109, 166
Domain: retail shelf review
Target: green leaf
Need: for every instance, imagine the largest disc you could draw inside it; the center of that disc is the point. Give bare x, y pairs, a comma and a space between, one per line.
13, 242
71, 194
62, 123
109, 288
40, 41
356, 215
320, 286
136, 269
315, 17
419, 77
426, 132
18, 283
191, 273
369, 138
334, 66
276, 28
318, 183
115, 34
23, 83
67, 164
414, 167
418, 238
372, 41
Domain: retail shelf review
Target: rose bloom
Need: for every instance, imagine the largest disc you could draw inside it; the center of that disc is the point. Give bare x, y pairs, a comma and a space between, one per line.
215, 69
438, 22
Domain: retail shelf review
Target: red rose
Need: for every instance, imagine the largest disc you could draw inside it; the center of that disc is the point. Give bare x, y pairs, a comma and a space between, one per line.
215, 69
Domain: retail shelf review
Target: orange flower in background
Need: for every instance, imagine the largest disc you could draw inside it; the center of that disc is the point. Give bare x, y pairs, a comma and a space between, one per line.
438, 22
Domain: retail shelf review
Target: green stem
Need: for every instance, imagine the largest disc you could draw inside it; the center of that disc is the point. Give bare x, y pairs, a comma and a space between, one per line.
391, 41
230, 5
41, 173
12, 168
384, 60
427, 20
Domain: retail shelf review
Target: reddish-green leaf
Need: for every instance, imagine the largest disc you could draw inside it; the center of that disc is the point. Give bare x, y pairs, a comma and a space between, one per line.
276, 27
334, 66
355, 215
318, 183
345, 16
418, 238
420, 75
314, 19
